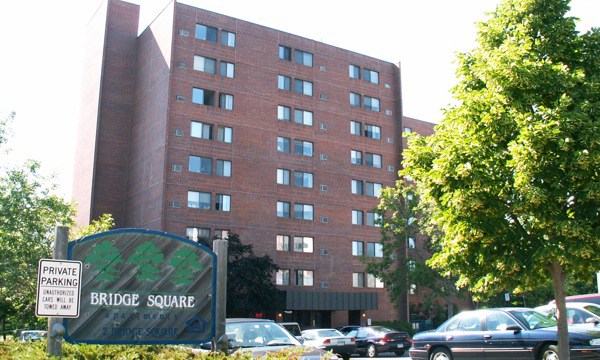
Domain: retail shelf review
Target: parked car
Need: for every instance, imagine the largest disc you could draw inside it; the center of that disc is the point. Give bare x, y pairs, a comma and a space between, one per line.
502, 333
262, 336
372, 340
346, 329
330, 340
577, 312
589, 298
32, 335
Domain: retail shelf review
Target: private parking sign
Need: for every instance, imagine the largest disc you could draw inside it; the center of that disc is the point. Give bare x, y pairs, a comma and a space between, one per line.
59, 288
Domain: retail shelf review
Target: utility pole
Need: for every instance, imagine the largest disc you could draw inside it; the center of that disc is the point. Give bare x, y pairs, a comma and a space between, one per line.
55, 328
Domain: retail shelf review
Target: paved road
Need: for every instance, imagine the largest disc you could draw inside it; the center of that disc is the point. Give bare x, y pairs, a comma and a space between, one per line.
384, 356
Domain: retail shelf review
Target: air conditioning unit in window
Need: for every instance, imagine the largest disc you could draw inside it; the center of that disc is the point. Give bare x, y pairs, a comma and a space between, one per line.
324, 219
390, 140
323, 156
324, 284
390, 167
324, 187
322, 68
184, 33
177, 168
388, 112
178, 132
180, 98
323, 126
322, 96
324, 252
182, 65
388, 86
175, 204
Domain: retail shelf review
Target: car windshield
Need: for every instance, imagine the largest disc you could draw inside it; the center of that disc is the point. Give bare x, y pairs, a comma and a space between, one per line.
258, 333
532, 319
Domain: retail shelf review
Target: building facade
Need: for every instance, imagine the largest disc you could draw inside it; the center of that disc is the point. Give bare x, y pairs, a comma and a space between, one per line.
206, 125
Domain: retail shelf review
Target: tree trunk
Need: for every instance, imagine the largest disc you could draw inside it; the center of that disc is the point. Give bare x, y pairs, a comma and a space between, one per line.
558, 283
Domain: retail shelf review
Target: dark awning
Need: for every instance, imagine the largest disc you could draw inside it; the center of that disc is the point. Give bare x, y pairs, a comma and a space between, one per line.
316, 300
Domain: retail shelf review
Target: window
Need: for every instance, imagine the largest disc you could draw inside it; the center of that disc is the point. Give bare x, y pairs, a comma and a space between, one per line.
303, 211
358, 280
373, 189
374, 249
203, 97
283, 209
283, 243
373, 131
371, 103
304, 148
228, 38
373, 282
227, 69
357, 248
200, 165
222, 234
226, 101
283, 144
303, 87
357, 217
284, 82
407, 129
371, 76
204, 64
223, 202
282, 277
303, 179
303, 117
373, 218
207, 33
497, 321
355, 99
224, 168
355, 128
283, 176
285, 53
373, 160
469, 322
356, 157
283, 113
199, 200
357, 187
303, 244
201, 130
224, 134
303, 57
411, 243
304, 277
354, 71
195, 234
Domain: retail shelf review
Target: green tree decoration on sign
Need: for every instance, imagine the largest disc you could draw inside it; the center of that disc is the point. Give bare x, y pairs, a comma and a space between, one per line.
149, 257
104, 257
186, 264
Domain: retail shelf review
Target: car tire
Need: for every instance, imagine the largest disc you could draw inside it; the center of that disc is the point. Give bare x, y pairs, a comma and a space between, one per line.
371, 350
399, 353
548, 352
345, 356
441, 354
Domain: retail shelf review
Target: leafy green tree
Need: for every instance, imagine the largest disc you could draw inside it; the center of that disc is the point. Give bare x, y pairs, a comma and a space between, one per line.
29, 212
104, 223
511, 175
148, 257
399, 221
250, 286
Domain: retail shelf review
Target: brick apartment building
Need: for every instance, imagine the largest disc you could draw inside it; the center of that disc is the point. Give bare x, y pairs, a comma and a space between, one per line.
206, 125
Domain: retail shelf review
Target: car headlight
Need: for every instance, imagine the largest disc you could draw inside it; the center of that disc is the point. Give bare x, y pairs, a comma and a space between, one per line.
595, 342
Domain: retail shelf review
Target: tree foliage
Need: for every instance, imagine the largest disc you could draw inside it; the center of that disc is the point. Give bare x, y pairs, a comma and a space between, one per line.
250, 286
511, 175
29, 213
401, 265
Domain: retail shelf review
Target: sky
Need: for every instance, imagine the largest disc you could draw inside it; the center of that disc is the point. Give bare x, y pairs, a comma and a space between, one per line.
42, 47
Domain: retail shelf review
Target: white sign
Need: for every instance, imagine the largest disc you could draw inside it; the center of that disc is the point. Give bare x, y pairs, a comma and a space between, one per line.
507, 297
59, 288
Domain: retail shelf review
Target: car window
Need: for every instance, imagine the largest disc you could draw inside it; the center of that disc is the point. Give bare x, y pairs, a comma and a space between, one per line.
452, 324
252, 334
469, 322
328, 333
352, 333
362, 333
532, 319
593, 309
498, 321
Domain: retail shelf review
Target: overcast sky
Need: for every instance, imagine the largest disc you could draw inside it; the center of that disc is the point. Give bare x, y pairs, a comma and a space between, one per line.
42, 45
